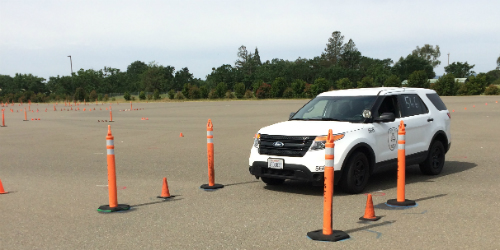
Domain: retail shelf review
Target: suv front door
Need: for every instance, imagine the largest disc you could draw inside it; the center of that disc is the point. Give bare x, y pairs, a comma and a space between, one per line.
386, 133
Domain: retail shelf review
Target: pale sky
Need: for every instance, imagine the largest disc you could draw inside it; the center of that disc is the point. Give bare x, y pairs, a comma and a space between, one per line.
37, 36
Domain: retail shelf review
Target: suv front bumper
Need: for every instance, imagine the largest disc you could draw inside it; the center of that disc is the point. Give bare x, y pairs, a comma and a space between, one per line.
291, 172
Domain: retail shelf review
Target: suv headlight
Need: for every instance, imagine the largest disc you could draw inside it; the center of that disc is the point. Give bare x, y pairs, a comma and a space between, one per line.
256, 140
319, 142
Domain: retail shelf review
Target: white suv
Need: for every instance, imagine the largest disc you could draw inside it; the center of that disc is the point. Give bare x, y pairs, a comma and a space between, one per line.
365, 124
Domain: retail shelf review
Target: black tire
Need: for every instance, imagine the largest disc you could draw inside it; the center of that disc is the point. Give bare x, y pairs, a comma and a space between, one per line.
272, 181
355, 174
433, 164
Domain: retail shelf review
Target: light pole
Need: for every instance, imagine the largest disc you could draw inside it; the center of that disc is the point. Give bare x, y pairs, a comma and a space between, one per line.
70, 61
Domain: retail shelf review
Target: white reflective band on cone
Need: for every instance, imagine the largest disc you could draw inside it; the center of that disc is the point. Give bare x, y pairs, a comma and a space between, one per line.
328, 151
110, 142
401, 137
111, 151
401, 146
210, 140
329, 163
210, 132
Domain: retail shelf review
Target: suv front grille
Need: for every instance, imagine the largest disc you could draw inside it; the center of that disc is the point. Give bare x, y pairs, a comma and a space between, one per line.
293, 146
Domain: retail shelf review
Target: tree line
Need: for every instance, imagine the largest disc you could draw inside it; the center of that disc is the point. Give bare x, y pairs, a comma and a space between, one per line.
340, 66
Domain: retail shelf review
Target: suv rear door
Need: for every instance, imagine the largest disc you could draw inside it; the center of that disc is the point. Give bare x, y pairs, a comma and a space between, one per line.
418, 120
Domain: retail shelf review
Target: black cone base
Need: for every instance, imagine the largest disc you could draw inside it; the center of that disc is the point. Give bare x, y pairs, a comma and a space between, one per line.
166, 197
370, 219
108, 209
3, 126
335, 236
406, 203
26, 120
215, 186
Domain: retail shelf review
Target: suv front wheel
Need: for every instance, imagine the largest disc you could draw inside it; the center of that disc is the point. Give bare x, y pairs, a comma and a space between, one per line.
355, 174
433, 164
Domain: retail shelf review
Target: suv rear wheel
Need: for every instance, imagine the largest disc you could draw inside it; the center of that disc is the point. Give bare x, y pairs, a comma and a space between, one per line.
356, 174
272, 181
434, 163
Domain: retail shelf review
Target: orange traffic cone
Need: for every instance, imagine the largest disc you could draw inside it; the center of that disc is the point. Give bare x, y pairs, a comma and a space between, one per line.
1, 188
369, 211
164, 190
181, 135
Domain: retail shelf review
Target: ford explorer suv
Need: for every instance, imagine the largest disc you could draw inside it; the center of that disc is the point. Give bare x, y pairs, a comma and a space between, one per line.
365, 127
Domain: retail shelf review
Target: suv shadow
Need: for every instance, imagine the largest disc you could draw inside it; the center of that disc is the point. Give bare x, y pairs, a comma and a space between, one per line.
378, 181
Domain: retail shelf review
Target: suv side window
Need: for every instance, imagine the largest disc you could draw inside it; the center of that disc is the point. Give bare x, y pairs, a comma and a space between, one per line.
389, 105
411, 105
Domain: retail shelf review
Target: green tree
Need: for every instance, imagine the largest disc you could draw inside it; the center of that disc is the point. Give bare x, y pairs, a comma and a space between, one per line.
350, 57
429, 53
405, 66
498, 62
142, 95
185, 89
418, 79
298, 87
277, 87
366, 82
392, 81
239, 90
344, 83
475, 85
194, 92
182, 77
134, 71
460, 70
204, 92
446, 85
264, 91
334, 48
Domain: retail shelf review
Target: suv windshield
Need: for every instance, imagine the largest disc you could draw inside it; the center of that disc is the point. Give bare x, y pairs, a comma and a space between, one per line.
335, 108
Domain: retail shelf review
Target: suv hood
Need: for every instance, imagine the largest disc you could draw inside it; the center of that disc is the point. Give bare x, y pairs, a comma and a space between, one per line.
310, 128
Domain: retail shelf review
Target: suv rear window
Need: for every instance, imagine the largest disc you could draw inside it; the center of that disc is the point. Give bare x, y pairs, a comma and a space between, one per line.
436, 100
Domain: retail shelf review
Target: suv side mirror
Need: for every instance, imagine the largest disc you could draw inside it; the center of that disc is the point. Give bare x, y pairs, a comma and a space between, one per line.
291, 114
385, 117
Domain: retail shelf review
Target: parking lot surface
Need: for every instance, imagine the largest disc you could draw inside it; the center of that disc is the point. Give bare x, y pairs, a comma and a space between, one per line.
56, 174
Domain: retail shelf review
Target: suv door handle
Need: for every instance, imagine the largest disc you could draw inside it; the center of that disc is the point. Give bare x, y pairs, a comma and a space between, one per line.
430, 119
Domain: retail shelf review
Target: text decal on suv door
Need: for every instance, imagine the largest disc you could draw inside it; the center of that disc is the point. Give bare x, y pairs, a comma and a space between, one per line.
393, 138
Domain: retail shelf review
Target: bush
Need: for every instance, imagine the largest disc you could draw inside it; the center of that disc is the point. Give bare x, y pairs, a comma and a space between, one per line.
298, 87
126, 96
492, 90
239, 90
156, 94
248, 94
366, 82
80, 94
142, 95
288, 93
263, 91
99, 97
171, 94
344, 83
277, 87
185, 89
475, 85
445, 85
392, 81
113, 99
418, 79
221, 89
194, 92
179, 96
213, 94
93, 96
132, 98
40, 97
230, 95
149, 97
203, 92
106, 97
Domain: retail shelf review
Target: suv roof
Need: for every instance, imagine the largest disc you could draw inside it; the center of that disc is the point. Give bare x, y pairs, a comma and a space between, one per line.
375, 91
